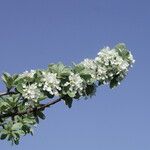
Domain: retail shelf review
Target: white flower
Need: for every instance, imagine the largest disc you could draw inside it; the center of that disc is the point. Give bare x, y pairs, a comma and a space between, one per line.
110, 63
31, 92
50, 83
89, 63
131, 58
101, 74
75, 83
91, 66
28, 74
124, 65
104, 50
108, 57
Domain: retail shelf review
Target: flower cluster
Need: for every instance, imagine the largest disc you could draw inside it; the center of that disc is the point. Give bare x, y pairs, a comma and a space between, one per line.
90, 65
31, 92
101, 74
50, 83
75, 83
111, 63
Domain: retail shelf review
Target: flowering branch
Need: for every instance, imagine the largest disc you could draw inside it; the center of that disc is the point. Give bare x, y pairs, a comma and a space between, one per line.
21, 107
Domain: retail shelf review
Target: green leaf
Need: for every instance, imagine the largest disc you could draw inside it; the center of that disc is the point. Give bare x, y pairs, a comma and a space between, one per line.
18, 81
26, 129
28, 121
16, 126
8, 80
15, 76
3, 136
78, 68
19, 88
6, 76
77, 96
85, 76
31, 131
68, 101
37, 119
90, 90
60, 69
48, 94
84, 73
71, 94
41, 115
122, 50
113, 83
3, 131
16, 142
20, 132
120, 46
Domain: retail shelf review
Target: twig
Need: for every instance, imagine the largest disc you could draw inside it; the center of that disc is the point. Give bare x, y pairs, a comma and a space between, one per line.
7, 93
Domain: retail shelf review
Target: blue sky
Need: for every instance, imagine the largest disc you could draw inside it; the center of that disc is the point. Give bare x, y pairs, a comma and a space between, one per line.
34, 33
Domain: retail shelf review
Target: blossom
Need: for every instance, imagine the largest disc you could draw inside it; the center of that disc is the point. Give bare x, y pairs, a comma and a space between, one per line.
28, 74
75, 83
104, 50
101, 74
89, 63
131, 59
124, 65
50, 83
31, 92
111, 63
91, 67
108, 57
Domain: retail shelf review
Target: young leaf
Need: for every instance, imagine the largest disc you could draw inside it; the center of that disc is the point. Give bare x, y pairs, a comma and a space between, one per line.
8, 80
16, 126
71, 94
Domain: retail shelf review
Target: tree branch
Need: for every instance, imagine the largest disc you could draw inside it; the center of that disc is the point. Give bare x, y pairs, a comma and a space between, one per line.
7, 93
42, 107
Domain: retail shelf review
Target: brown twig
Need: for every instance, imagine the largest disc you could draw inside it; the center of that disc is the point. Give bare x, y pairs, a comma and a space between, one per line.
7, 93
